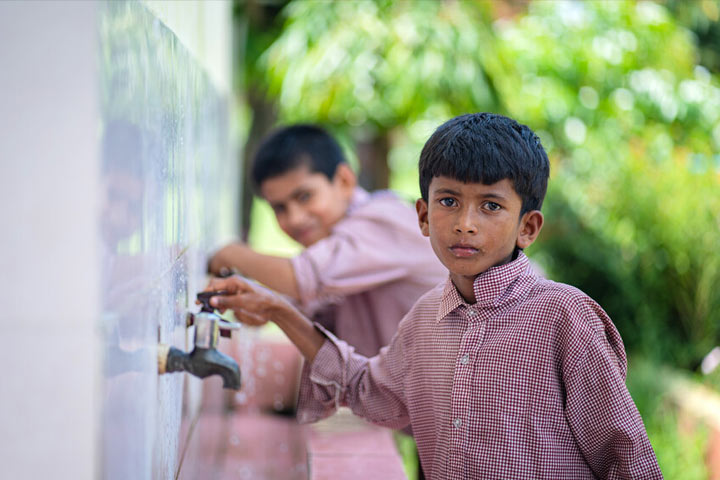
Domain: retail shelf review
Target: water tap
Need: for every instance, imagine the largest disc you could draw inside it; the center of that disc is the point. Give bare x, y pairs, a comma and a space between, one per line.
205, 359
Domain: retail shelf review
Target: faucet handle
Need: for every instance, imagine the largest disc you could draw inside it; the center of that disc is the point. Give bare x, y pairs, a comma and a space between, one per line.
226, 326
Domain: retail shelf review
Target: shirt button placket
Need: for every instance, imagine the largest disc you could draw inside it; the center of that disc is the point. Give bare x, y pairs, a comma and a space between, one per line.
462, 382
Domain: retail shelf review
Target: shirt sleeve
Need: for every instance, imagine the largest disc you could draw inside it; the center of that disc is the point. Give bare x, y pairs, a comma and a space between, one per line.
604, 420
371, 387
362, 253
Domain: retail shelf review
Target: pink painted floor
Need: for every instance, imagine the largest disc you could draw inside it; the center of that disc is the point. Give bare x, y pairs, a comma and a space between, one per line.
243, 445
231, 441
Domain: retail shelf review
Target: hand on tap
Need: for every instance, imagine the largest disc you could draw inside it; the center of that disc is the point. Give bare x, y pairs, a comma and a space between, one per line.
254, 304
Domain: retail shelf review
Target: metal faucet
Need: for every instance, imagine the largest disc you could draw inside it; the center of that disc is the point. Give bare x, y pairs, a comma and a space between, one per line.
205, 359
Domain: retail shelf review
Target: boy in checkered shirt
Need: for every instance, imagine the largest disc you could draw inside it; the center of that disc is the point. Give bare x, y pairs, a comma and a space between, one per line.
499, 372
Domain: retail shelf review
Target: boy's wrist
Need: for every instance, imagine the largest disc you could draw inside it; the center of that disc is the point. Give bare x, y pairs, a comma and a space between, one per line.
284, 314
229, 259
299, 329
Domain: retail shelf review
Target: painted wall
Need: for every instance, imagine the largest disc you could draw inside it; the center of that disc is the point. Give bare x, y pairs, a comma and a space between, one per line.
117, 178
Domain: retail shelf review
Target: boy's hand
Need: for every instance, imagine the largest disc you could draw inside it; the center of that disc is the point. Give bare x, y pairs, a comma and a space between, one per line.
256, 305
251, 303
226, 259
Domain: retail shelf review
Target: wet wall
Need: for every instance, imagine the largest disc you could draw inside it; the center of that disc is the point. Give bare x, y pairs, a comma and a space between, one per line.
117, 179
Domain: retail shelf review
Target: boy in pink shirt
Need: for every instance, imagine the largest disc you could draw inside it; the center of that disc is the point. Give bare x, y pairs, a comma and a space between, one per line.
500, 373
364, 264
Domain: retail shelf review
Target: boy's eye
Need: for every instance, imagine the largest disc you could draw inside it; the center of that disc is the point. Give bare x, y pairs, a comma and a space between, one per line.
303, 197
448, 202
492, 206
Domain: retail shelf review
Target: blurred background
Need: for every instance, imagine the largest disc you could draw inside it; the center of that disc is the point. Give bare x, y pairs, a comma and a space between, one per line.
626, 99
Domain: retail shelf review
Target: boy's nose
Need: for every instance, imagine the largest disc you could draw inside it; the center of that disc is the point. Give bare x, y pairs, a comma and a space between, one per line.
295, 215
466, 222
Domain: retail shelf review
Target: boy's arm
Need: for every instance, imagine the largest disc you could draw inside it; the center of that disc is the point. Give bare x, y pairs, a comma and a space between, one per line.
275, 272
373, 388
255, 305
361, 255
604, 420
333, 374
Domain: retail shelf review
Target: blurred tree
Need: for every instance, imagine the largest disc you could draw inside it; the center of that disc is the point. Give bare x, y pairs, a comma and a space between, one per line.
257, 25
703, 18
369, 66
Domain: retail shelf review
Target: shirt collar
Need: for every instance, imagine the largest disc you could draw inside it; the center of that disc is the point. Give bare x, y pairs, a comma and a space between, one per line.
492, 288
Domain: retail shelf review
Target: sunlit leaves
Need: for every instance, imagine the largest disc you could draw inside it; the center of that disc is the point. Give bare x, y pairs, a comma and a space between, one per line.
382, 63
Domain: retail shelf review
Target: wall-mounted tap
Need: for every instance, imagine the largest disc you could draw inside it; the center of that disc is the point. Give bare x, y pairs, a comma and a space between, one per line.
205, 359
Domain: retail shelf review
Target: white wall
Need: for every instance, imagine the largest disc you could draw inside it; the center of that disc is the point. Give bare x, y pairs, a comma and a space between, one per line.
116, 178
48, 201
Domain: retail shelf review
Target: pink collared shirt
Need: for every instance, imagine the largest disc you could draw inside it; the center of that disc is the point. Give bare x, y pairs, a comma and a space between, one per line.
529, 382
361, 280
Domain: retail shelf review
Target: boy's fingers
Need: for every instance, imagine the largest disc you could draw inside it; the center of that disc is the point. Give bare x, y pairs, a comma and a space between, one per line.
220, 302
234, 300
219, 284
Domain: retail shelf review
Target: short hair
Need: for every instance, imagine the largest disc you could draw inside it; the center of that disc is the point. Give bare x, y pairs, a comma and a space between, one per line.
298, 145
487, 148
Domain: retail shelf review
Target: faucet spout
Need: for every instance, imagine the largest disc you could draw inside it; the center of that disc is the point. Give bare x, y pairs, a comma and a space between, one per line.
203, 362
205, 359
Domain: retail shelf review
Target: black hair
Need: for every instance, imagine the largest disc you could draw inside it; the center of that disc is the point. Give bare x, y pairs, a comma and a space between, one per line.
487, 148
295, 146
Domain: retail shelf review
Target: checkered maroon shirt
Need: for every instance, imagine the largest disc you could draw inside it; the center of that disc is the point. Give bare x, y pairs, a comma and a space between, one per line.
527, 383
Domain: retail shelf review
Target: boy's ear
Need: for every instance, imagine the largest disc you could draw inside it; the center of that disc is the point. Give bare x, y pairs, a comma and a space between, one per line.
345, 178
422, 213
530, 225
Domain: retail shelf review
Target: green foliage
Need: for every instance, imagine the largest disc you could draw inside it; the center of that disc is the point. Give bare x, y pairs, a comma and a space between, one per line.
633, 207
680, 453
408, 452
630, 121
703, 18
380, 63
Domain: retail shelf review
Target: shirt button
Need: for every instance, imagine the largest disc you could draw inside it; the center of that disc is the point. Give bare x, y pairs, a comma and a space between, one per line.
471, 312
465, 359
457, 423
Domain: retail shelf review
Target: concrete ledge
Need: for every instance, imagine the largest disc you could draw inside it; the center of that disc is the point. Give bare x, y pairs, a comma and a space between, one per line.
345, 446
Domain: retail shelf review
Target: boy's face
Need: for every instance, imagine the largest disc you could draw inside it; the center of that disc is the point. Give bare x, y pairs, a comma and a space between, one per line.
473, 227
306, 204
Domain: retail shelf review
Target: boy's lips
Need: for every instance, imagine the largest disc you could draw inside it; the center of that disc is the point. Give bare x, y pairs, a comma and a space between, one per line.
304, 233
463, 250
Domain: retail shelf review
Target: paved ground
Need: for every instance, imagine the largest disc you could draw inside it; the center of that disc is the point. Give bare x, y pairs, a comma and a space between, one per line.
245, 445
234, 439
